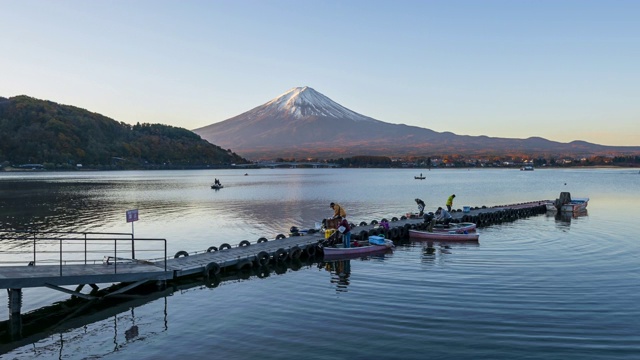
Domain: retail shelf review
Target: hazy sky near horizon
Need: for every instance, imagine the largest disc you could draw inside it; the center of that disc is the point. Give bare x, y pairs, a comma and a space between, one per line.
558, 69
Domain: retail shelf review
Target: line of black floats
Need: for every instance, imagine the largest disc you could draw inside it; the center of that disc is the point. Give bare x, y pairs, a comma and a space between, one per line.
399, 232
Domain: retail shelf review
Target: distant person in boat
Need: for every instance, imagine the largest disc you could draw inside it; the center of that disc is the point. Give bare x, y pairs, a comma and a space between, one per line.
217, 182
443, 216
345, 229
450, 202
420, 205
338, 211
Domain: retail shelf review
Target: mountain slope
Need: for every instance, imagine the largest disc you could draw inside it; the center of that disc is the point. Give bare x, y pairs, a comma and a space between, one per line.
304, 123
44, 132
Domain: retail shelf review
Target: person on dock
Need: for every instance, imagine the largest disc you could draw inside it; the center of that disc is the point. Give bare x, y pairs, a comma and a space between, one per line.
443, 216
338, 211
450, 202
421, 205
345, 229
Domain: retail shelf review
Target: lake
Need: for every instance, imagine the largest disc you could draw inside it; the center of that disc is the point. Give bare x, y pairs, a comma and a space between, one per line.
536, 288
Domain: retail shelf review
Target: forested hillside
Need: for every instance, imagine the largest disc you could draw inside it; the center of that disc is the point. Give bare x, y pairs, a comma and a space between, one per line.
60, 136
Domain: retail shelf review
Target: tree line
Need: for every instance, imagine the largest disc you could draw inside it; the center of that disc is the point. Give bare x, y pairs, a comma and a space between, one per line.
35, 131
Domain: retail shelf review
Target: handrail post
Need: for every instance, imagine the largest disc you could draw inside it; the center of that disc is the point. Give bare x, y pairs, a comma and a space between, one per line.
133, 251
34, 249
60, 257
85, 248
115, 256
165, 254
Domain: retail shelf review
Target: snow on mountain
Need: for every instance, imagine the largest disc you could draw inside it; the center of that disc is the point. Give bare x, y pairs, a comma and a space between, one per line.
301, 102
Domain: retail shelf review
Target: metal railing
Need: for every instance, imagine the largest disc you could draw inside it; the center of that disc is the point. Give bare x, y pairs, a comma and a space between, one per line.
66, 248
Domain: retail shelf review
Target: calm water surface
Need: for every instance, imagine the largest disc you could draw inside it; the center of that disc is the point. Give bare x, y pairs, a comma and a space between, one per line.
536, 288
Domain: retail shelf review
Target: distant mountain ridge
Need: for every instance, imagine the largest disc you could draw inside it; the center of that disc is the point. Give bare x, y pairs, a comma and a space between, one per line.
305, 123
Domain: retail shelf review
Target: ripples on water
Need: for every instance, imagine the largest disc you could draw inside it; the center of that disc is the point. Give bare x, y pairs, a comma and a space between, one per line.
536, 288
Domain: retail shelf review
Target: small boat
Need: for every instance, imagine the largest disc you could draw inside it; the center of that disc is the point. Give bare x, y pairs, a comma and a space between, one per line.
526, 168
575, 205
443, 236
216, 186
375, 244
457, 227
419, 177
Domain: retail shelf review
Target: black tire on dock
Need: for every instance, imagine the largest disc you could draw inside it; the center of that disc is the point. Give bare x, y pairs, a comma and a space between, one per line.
212, 249
263, 258
212, 269
311, 250
364, 235
224, 246
363, 223
403, 217
280, 255
244, 264
394, 233
180, 253
295, 252
394, 219
244, 243
262, 239
374, 222
280, 236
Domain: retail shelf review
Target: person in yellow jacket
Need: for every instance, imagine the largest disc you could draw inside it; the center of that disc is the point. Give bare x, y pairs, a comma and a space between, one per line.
338, 211
450, 202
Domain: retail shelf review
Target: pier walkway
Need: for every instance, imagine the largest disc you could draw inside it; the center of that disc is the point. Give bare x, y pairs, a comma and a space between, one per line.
61, 259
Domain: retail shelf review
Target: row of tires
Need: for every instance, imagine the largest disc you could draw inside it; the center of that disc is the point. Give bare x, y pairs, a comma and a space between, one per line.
394, 233
261, 259
481, 220
212, 279
500, 216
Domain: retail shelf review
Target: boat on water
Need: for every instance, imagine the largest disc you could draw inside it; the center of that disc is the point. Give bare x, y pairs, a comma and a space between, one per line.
457, 227
574, 205
420, 177
443, 236
375, 244
217, 186
526, 168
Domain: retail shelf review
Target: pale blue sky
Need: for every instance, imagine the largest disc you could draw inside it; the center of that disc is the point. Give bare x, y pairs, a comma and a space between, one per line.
562, 70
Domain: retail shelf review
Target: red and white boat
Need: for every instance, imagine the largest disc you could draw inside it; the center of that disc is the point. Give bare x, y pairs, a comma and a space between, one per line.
443, 236
575, 205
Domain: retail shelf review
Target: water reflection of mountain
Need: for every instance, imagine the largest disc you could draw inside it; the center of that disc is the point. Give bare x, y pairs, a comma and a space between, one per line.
42, 206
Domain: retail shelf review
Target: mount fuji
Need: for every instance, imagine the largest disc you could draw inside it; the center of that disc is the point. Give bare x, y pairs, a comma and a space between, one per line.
305, 123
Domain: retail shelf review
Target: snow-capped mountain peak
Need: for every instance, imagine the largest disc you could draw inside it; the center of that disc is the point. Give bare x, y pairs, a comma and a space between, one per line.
301, 102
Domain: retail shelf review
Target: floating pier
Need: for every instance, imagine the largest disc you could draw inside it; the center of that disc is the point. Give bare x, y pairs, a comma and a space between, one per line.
62, 259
